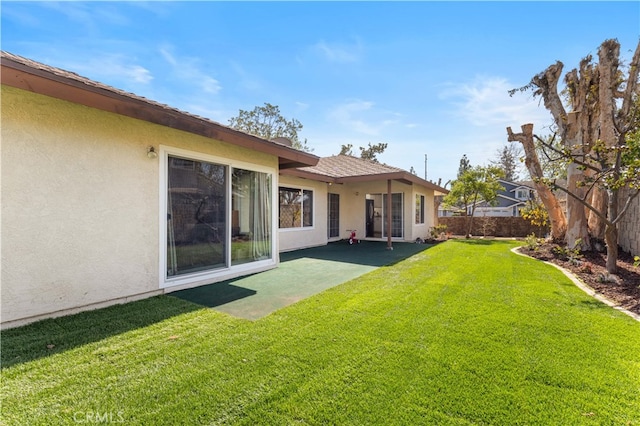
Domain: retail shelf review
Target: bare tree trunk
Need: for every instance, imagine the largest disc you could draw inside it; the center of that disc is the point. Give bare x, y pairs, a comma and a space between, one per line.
611, 240
569, 128
577, 224
556, 215
595, 222
611, 234
608, 63
469, 226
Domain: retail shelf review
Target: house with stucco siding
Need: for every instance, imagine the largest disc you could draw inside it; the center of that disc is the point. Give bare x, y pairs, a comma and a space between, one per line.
108, 197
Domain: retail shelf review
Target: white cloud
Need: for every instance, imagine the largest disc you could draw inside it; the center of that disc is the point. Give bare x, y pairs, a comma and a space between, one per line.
363, 120
90, 15
486, 102
188, 69
301, 106
245, 79
115, 68
340, 53
164, 51
350, 116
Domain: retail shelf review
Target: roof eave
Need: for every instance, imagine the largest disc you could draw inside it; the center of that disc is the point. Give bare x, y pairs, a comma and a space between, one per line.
401, 176
44, 82
308, 175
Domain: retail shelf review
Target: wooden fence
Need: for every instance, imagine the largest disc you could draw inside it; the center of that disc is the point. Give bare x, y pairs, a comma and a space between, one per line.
493, 227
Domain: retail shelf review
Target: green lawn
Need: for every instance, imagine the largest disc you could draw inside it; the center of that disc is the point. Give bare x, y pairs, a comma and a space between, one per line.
463, 333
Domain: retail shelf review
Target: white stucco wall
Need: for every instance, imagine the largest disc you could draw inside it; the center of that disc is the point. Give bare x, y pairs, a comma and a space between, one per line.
422, 230
80, 204
352, 211
296, 238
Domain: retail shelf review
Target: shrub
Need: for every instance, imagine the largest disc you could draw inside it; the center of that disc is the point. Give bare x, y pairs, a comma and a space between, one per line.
571, 255
438, 230
531, 242
535, 213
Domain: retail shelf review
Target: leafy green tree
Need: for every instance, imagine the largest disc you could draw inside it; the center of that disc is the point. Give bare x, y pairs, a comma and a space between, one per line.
368, 153
476, 184
536, 214
508, 159
346, 149
266, 122
464, 165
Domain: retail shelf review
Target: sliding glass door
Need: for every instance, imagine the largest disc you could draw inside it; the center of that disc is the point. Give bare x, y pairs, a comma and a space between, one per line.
397, 215
218, 217
251, 216
196, 216
378, 215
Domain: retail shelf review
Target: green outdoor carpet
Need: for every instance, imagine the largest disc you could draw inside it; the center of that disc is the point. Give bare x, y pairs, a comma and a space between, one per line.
301, 273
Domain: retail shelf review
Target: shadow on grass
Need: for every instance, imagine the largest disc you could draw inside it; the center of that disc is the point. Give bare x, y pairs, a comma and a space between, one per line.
482, 241
51, 336
371, 253
216, 294
593, 304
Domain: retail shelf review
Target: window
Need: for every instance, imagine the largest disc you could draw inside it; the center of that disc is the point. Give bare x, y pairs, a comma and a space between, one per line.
333, 219
296, 207
419, 209
522, 194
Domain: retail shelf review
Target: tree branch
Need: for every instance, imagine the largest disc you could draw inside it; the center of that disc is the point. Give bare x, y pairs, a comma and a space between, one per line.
566, 156
583, 202
626, 206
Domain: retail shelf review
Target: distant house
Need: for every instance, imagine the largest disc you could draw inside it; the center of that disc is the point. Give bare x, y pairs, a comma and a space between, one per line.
109, 197
509, 201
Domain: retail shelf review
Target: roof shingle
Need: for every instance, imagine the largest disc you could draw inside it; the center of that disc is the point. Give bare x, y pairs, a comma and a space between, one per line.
340, 166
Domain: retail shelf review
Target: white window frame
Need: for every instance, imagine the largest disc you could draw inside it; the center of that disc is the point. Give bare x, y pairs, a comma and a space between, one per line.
313, 208
228, 271
423, 209
384, 212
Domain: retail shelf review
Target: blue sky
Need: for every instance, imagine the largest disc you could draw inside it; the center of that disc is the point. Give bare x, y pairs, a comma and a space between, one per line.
428, 78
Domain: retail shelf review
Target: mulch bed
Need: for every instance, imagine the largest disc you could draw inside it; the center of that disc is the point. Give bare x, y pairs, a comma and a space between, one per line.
590, 269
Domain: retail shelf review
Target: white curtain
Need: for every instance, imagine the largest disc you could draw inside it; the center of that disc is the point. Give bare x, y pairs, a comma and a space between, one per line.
172, 261
261, 211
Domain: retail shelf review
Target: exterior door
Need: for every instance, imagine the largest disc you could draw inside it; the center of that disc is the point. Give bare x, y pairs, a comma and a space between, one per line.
369, 214
333, 218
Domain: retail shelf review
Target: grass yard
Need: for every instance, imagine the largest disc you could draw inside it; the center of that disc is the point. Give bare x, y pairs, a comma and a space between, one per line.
463, 333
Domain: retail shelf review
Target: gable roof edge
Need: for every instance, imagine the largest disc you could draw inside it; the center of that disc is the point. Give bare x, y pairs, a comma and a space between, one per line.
25, 74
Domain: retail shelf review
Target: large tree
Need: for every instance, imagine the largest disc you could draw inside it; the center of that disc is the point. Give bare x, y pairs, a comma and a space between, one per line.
474, 185
465, 165
268, 123
599, 142
553, 165
368, 153
556, 214
508, 159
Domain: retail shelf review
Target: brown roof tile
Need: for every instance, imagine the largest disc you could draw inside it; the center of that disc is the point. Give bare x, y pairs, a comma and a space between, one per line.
340, 166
